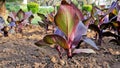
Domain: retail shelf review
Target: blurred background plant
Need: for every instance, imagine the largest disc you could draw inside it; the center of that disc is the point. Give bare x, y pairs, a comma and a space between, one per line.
32, 6
46, 6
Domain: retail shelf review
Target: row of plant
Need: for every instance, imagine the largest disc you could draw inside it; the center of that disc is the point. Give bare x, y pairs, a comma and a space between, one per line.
71, 27
34, 7
16, 22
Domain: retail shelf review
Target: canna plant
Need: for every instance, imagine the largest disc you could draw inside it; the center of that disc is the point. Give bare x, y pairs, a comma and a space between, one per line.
21, 19
47, 20
69, 30
105, 20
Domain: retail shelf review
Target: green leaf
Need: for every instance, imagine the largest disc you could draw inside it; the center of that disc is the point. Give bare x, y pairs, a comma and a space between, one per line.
20, 14
56, 39
87, 8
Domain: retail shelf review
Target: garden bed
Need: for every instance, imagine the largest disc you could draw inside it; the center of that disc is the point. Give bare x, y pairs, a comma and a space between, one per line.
19, 51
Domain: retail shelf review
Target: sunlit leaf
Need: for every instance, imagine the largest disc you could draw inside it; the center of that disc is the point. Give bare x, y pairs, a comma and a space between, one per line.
67, 18
20, 14
87, 8
56, 39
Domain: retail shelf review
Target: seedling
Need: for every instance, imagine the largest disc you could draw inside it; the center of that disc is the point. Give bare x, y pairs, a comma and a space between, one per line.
69, 30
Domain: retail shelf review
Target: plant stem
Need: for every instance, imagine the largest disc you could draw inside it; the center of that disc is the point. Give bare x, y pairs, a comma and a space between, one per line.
69, 53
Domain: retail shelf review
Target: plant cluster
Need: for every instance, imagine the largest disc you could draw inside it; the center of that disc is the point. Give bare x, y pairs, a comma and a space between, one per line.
17, 21
105, 22
69, 30
71, 26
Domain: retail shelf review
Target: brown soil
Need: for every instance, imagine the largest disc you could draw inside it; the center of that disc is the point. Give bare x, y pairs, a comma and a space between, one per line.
19, 51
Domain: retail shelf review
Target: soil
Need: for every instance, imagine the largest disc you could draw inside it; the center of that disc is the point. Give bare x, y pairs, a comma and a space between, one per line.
20, 51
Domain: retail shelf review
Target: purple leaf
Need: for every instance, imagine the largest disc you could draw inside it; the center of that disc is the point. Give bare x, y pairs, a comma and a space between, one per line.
81, 29
113, 5
59, 32
90, 42
27, 15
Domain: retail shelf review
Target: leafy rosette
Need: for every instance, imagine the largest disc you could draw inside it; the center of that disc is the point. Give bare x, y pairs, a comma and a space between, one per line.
70, 30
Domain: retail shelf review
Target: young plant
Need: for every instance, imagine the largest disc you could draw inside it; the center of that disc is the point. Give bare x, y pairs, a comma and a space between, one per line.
46, 20
11, 24
106, 20
21, 19
69, 30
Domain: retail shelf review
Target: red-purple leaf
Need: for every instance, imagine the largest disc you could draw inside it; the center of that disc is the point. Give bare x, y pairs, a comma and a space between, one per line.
67, 20
27, 15
81, 29
56, 39
90, 42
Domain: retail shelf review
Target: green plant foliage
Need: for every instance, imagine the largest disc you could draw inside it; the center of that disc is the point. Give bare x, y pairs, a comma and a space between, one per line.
24, 8
87, 8
46, 9
36, 19
12, 7
32, 6
13, 0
